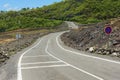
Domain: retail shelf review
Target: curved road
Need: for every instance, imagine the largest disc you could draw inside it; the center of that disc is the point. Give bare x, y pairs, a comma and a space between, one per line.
49, 59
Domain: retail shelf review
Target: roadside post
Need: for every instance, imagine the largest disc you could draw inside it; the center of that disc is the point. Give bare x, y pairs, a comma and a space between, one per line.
108, 30
18, 36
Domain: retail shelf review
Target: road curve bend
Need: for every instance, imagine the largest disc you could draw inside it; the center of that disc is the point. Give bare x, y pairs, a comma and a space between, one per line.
50, 59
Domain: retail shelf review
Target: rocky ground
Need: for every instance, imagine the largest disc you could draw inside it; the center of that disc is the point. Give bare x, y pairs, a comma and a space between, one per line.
9, 45
8, 50
92, 38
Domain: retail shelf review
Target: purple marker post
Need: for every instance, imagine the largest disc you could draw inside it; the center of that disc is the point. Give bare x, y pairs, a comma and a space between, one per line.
108, 30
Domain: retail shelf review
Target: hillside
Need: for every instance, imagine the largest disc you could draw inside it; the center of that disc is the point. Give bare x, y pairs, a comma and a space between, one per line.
82, 11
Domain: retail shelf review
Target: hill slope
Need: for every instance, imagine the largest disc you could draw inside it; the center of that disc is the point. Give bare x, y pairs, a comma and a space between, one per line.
82, 11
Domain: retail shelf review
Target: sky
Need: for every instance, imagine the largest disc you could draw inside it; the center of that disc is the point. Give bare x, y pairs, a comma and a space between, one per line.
7, 5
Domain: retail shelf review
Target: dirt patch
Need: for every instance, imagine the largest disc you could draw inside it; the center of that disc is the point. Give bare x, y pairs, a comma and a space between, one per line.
3, 41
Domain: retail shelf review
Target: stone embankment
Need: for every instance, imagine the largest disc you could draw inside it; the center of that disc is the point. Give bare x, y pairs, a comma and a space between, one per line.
92, 38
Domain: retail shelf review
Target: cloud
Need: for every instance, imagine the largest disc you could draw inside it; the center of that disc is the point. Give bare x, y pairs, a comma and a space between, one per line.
12, 8
8, 7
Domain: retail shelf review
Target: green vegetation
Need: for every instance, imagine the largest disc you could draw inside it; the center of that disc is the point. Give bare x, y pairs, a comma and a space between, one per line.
82, 11
27, 22
13, 20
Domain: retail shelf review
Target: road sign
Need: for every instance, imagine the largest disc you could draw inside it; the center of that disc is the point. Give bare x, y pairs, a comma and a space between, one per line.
18, 36
108, 30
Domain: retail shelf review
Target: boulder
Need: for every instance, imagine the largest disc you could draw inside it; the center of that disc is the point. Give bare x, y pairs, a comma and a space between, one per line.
115, 54
91, 49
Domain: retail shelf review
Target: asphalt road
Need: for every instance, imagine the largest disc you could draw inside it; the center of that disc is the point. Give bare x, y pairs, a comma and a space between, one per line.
50, 59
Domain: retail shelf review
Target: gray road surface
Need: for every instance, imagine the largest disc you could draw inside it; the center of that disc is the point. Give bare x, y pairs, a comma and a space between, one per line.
50, 59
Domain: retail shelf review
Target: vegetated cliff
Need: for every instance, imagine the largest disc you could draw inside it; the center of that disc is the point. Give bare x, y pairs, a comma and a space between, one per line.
82, 11
94, 36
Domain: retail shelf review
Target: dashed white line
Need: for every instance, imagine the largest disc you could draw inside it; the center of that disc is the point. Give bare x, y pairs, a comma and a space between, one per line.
41, 62
84, 54
46, 50
36, 56
35, 67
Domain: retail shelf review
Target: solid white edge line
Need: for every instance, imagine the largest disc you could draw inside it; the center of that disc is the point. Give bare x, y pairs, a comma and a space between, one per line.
36, 56
108, 60
19, 72
46, 50
44, 66
41, 62
52, 55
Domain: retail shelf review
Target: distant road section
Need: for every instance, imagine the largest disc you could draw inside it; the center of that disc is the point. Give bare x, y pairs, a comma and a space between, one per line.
71, 25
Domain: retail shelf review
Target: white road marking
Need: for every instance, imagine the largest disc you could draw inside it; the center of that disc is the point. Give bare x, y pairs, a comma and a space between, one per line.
36, 56
41, 62
19, 72
46, 50
44, 66
112, 61
54, 56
